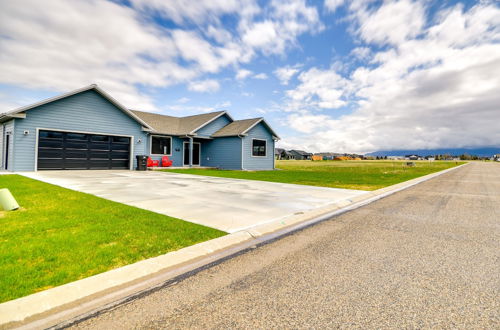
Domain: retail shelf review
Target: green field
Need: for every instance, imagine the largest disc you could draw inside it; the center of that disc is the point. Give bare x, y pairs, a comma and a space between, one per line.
60, 235
362, 175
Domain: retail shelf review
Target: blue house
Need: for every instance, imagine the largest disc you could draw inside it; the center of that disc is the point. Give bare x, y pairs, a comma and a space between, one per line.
88, 129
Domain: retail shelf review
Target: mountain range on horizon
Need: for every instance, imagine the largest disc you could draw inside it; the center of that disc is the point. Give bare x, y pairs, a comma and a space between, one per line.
480, 152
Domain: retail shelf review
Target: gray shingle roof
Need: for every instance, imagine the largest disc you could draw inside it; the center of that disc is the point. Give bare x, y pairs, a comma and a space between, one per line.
237, 127
176, 125
302, 152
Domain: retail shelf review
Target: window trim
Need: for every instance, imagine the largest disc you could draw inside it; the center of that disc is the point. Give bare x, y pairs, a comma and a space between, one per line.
251, 149
151, 144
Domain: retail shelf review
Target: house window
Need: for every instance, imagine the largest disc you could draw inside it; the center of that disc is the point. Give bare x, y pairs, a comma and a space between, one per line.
161, 145
259, 148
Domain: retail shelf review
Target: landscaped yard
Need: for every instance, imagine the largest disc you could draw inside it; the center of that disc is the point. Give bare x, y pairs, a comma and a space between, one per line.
363, 175
60, 235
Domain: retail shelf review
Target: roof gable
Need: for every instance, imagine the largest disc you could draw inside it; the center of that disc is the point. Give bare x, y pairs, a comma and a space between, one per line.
242, 127
164, 124
19, 111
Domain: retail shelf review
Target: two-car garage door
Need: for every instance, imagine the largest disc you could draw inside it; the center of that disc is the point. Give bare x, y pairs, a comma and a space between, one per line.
79, 151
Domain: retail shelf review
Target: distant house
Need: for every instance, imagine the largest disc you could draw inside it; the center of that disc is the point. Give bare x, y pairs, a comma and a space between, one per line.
282, 154
301, 154
287, 155
395, 157
413, 157
328, 155
278, 153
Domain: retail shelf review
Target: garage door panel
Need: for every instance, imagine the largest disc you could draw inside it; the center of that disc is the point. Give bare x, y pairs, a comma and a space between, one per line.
119, 154
119, 163
99, 154
82, 154
99, 146
50, 153
119, 147
69, 150
75, 164
76, 144
50, 164
46, 143
99, 163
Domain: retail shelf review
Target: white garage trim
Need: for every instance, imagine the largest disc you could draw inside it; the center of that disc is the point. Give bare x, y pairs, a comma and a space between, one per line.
131, 151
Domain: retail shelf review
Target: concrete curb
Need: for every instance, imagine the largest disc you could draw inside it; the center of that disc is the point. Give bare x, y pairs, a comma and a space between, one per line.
71, 300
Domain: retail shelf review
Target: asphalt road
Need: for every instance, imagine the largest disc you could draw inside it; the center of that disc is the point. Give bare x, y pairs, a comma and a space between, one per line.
426, 257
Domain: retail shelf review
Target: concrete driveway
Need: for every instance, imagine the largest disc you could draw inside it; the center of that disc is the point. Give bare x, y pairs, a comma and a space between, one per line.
226, 204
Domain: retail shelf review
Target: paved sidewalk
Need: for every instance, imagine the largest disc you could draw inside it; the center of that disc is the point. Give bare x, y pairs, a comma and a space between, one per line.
426, 257
230, 205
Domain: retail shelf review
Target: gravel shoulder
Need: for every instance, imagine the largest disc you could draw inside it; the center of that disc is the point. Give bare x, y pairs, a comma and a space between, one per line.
425, 257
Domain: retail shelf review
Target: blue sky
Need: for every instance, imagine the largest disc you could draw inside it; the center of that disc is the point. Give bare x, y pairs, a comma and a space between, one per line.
334, 75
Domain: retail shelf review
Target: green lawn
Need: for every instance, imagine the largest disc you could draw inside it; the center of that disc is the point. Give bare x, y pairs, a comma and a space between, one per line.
60, 235
362, 175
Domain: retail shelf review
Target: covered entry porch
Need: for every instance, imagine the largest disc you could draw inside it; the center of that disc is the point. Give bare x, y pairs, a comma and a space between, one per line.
192, 151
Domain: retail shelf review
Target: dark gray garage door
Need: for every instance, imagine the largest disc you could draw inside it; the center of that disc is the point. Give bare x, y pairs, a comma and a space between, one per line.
77, 151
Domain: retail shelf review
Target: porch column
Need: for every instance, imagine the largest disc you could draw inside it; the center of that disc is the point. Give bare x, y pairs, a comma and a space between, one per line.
190, 152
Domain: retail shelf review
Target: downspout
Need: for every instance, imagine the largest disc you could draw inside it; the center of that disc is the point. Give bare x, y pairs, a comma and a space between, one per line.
274, 156
241, 137
190, 151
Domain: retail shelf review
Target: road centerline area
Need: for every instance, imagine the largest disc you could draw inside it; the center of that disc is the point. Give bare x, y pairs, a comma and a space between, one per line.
426, 257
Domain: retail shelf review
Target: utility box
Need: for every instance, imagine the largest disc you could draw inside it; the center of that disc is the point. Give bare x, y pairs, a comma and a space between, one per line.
142, 162
7, 201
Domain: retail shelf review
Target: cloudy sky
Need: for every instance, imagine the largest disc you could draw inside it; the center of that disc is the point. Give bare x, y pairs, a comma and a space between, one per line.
333, 75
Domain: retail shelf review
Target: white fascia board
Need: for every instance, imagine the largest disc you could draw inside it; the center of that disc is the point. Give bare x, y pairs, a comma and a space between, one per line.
211, 120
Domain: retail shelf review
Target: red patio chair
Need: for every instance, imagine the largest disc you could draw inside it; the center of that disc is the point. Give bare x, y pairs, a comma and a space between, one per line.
153, 163
165, 161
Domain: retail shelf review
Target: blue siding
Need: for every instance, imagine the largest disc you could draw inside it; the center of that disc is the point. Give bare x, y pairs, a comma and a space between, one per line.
87, 111
224, 152
260, 131
176, 156
214, 126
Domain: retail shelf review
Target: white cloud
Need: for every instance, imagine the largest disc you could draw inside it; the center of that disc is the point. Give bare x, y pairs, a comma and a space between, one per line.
439, 89
286, 73
317, 88
332, 5
208, 85
261, 76
183, 100
95, 41
199, 11
286, 20
125, 51
186, 110
392, 23
243, 74
361, 53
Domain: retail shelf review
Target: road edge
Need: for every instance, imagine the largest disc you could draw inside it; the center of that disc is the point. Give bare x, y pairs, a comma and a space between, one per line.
72, 302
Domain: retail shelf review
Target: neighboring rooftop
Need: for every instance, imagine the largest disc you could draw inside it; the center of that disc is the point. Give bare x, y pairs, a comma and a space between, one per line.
302, 152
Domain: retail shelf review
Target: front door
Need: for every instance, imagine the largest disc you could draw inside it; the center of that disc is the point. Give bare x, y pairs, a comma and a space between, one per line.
196, 153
